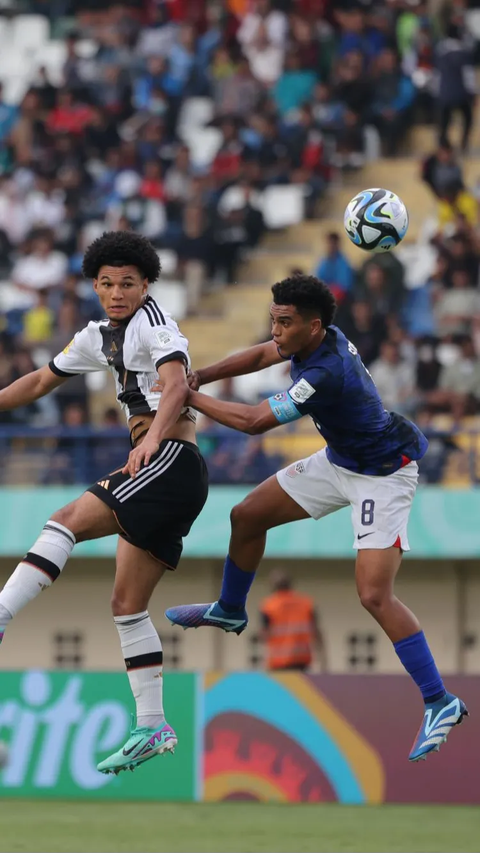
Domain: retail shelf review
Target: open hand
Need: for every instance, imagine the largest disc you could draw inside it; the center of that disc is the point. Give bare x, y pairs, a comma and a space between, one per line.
141, 455
193, 381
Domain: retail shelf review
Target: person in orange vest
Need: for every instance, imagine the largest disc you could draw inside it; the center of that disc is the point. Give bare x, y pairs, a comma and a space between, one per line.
290, 627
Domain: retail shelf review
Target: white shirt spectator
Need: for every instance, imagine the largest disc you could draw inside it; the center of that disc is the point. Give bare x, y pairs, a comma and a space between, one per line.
46, 210
395, 379
266, 62
38, 272
275, 24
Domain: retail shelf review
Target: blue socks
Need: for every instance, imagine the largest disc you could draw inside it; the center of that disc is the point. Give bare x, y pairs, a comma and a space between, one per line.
417, 659
235, 586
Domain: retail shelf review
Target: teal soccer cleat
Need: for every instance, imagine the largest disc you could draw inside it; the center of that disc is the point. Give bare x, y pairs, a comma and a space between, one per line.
142, 745
439, 719
208, 615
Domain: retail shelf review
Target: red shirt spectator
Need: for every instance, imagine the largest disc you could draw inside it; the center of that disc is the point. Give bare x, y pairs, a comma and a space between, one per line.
68, 116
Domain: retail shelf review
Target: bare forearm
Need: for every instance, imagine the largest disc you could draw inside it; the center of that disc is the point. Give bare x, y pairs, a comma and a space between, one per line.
171, 403
26, 390
235, 415
248, 361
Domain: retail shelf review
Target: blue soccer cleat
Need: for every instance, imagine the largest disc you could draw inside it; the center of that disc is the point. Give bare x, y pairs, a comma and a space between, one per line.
440, 718
209, 615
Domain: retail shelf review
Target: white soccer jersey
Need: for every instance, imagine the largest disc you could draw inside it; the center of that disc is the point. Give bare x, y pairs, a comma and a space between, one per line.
132, 352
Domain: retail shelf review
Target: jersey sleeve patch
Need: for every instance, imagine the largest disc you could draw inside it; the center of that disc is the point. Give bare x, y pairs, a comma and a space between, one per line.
283, 408
164, 338
301, 391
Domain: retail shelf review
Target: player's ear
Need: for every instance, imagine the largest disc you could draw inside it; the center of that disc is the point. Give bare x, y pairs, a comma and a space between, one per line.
316, 326
144, 287
95, 285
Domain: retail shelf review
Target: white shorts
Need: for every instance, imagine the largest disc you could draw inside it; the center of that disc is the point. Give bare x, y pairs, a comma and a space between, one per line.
380, 505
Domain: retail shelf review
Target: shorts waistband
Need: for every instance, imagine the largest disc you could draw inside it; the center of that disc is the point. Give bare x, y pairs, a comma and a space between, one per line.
188, 444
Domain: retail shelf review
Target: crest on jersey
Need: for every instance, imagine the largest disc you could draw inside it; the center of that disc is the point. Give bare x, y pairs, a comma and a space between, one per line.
301, 391
164, 338
296, 468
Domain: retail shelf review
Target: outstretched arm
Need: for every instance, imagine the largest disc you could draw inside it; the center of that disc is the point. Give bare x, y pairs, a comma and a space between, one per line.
29, 388
248, 361
250, 419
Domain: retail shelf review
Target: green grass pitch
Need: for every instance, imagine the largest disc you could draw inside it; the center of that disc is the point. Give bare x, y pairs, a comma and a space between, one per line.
235, 827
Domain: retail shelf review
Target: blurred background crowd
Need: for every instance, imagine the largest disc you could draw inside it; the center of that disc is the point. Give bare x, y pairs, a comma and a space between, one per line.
208, 126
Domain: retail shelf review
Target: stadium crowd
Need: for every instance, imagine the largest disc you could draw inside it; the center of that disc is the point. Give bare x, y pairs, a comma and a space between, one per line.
299, 91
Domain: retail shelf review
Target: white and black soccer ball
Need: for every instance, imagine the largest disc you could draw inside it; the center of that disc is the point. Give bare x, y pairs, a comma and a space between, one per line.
376, 220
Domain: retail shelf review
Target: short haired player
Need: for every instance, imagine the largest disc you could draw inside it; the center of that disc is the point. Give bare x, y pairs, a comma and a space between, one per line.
369, 464
152, 502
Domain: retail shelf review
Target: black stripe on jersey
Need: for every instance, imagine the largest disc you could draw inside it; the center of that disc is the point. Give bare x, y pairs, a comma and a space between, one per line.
172, 356
150, 316
53, 367
153, 312
157, 312
131, 395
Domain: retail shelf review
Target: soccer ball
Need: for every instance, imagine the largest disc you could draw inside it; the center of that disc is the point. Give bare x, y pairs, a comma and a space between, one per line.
376, 220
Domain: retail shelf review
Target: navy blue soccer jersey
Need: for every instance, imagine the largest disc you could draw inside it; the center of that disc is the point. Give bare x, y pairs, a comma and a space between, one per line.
334, 387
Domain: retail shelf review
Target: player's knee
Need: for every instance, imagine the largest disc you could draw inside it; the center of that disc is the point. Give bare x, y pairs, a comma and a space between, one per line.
121, 604
244, 514
67, 516
373, 598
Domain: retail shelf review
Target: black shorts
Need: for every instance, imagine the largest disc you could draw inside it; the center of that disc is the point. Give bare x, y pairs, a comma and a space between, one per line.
157, 508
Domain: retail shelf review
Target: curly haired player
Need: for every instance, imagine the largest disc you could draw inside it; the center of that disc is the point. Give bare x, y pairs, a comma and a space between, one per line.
152, 502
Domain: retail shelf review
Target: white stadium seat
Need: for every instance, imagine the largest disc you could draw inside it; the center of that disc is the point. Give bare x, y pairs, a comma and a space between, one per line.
171, 295
203, 143
52, 55
168, 260
14, 89
194, 112
29, 32
283, 205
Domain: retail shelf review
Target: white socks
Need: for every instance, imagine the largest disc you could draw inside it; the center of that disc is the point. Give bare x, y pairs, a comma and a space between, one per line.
38, 569
143, 655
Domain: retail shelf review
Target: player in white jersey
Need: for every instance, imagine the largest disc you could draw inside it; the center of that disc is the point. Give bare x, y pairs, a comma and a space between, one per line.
152, 502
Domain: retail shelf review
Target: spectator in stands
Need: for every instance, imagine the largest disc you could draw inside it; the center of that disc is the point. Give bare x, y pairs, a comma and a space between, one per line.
352, 86
456, 199
237, 92
379, 289
364, 328
294, 87
157, 38
195, 253
458, 389
454, 62
40, 268
394, 378
263, 18
265, 58
334, 269
393, 97
441, 170
8, 116
38, 321
457, 308
68, 115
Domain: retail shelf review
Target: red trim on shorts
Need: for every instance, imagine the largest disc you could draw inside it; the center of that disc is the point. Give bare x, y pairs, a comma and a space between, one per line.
397, 543
405, 461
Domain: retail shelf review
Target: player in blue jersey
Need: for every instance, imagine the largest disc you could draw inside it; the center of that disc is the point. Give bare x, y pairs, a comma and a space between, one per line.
369, 464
